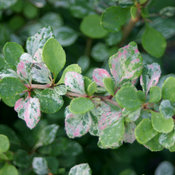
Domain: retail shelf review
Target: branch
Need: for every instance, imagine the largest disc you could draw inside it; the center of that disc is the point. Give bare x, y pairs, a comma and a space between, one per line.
37, 86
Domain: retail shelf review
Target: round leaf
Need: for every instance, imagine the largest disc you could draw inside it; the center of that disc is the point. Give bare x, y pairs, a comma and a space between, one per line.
4, 143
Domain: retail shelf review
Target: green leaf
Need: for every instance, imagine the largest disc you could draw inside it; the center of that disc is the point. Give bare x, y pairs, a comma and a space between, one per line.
160, 123
109, 85
54, 56
81, 105
90, 26
50, 100
114, 38
53, 164
167, 140
127, 98
70, 68
7, 3
4, 143
114, 18
155, 94
129, 136
144, 131
168, 89
128, 172
142, 1
165, 167
10, 86
8, 169
92, 88
166, 109
30, 11
153, 144
47, 135
76, 125
40, 166
133, 12
126, 64
81, 169
12, 52
111, 136
153, 42
38, 40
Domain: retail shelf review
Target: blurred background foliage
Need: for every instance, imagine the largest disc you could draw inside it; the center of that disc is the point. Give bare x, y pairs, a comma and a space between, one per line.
89, 44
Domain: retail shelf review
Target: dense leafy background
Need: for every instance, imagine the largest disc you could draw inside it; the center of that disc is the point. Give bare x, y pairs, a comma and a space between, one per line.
23, 18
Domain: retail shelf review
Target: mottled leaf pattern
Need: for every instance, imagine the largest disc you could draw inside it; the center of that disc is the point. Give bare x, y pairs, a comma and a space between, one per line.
150, 76
129, 136
99, 75
81, 169
38, 40
26, 57
74, 82
76, 125
126, 64
28, 110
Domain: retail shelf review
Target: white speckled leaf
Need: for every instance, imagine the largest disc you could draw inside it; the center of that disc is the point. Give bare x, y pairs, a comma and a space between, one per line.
129, 136
98, 76
38, 40
40, 73
81, 169
74, 82
76, 125
60, 90
29, 110
126, 64
26, 57
150, 76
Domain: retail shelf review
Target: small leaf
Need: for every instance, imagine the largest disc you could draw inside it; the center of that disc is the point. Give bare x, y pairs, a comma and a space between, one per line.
150, 76
111, 136
144, 131
76, 125
160, 123
8, 169
132, 116
166, 109
99, 75
50, 100
126, 64
114, 18
155, 94
168, 89
38, 40
81, 105
10, 86
74, 82
109, 85
4, 143
54, 56
40, 166
127, 98
153, 42
28, 110
48, 135
70, 68
12, 52
90, 26
153, 144
81, 169
165, 167
133, 12
92, 88
167, 140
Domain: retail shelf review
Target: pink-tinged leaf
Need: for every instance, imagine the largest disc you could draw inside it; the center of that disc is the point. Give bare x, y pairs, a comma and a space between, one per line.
108, 116
74, 82
150, 76
24, 70
38, 56
126, 64
98, 76
76, 125
129, 136
40, 73
29, 110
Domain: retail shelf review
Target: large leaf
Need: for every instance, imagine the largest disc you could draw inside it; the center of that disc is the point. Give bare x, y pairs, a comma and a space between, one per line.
29, 110
153, 42
126, 64
76, 125
38, 40
8, 169
54, 56
150, 76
